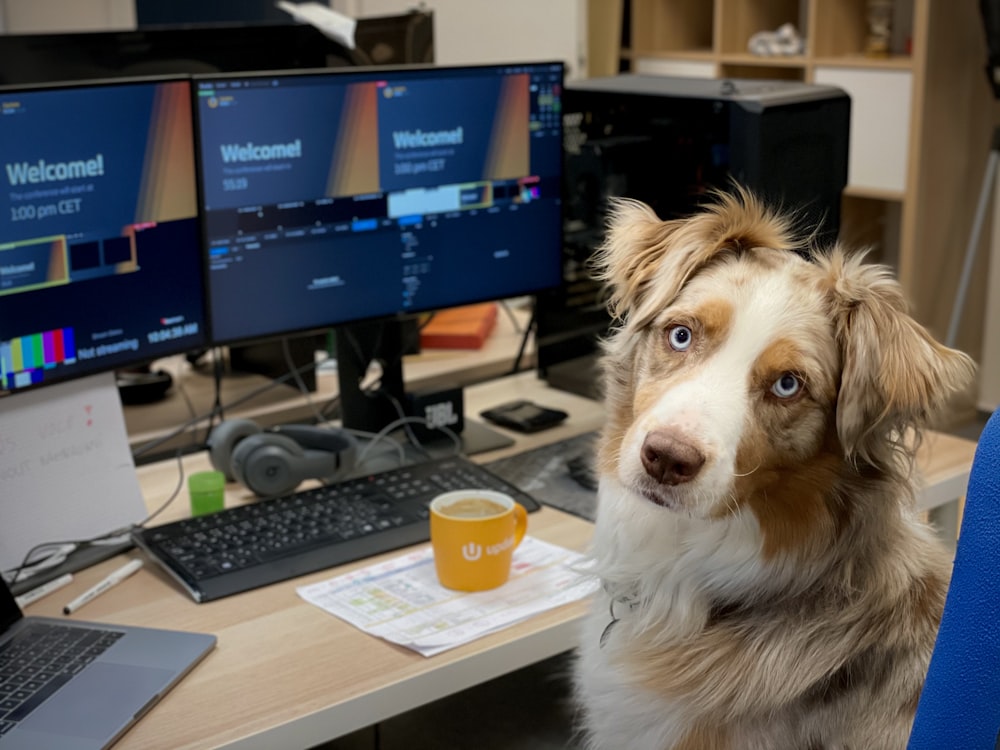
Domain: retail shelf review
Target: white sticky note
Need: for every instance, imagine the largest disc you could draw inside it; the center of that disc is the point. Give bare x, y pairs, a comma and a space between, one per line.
66, 469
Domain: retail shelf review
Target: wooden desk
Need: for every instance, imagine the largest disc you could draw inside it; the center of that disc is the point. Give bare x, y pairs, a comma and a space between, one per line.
286, 674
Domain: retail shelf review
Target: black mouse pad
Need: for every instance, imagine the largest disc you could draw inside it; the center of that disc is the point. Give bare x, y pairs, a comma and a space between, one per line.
559, 474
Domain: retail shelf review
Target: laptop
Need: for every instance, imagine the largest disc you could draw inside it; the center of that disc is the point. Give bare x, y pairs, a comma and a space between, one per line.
50, 699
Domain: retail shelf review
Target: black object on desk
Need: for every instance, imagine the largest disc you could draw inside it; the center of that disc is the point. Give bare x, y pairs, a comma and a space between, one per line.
83, 557
254, 545
560, 474
524, 416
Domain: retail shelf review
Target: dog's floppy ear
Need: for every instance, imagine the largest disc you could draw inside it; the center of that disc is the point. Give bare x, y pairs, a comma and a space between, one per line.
635, 241
895, 375
645, 261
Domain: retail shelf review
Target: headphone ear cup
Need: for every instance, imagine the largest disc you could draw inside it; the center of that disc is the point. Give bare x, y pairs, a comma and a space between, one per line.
339, 448
269, 464
223, 441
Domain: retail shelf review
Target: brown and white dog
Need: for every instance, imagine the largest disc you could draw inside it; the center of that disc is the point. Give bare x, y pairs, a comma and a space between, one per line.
766, 583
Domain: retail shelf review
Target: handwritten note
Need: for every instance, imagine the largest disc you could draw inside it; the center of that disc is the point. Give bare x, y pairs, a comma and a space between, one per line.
66, 470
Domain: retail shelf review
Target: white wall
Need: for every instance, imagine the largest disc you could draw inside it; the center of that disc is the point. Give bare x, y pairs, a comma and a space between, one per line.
486, 31
35, 16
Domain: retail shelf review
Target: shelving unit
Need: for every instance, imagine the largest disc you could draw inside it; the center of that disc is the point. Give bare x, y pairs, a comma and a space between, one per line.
922, 118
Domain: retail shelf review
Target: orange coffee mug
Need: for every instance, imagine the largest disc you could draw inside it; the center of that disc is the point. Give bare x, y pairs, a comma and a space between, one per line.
474, 534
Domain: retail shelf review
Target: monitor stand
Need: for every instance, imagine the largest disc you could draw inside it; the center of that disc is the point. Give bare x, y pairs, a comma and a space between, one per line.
386, 342
475, 437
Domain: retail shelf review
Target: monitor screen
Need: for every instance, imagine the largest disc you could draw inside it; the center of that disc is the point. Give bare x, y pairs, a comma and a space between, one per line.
335, 197
100, 249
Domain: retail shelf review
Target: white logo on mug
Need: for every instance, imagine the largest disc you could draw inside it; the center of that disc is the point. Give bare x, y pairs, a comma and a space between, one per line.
496, 549
472, 551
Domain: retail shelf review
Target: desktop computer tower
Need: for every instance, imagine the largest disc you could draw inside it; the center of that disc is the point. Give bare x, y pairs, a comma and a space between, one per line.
669, 141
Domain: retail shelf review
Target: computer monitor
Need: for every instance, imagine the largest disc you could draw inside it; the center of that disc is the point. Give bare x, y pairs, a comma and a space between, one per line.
362, 196
100, 249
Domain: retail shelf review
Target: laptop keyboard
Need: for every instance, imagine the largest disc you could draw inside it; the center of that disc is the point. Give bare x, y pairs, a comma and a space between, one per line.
271, 540
39, 660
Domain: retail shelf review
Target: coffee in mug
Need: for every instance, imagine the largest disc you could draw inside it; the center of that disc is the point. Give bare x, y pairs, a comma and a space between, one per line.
473, 507
474, 534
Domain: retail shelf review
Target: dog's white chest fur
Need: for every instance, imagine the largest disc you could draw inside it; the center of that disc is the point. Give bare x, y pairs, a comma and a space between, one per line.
765, 582
659, 572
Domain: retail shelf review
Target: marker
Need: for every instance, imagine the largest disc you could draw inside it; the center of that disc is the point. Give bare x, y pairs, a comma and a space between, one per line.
44, 590
112, 580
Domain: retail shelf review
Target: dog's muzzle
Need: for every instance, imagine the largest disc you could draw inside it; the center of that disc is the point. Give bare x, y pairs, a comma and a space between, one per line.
670, 459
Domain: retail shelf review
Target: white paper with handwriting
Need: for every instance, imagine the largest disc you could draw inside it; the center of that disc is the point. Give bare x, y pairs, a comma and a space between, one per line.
401, 600
66, 469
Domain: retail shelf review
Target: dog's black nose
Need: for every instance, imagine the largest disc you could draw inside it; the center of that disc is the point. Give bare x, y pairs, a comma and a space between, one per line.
669, 460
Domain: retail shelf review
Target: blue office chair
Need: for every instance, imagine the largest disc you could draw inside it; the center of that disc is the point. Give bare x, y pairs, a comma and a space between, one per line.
960, 704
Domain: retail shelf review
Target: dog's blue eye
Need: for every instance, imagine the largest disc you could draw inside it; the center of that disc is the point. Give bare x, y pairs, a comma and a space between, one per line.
786, 386
679, 338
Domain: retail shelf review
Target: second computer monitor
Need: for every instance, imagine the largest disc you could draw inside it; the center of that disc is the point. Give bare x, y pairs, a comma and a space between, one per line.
330, 198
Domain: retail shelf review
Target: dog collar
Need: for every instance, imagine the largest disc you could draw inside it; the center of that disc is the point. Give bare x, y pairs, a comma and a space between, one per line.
626, 602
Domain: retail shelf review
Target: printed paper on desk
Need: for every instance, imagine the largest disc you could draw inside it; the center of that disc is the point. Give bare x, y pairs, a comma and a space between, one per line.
66, 469
401, 600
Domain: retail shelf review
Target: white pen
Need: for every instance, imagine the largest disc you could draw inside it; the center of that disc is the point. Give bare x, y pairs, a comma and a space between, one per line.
44, 590
112, 580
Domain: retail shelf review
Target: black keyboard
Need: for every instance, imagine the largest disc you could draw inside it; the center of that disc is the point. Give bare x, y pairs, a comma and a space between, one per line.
38, 660
271, 540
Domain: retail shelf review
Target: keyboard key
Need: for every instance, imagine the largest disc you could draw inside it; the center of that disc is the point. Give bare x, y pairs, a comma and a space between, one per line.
40, 659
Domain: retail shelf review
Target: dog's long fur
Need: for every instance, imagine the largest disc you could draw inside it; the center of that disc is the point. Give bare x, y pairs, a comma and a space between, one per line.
766, 583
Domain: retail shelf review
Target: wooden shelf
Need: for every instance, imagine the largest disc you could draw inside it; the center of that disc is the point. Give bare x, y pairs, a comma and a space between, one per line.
702, 55
775, 61
895, 196
893, 62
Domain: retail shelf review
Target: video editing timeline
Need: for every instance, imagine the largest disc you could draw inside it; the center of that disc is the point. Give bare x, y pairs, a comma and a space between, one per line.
338, 197
100, 255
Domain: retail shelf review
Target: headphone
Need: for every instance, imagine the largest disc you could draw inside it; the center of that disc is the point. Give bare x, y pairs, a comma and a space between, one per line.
274, 462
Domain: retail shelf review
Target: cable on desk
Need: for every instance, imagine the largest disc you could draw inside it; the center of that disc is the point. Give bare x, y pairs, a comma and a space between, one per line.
63, 550
411, 340
179, 386
528, 329
173, 495
217, 407
515, 324
157, 442
403, 422
299, 382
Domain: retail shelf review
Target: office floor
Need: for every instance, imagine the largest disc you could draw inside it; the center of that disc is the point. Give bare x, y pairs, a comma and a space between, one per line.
530, 709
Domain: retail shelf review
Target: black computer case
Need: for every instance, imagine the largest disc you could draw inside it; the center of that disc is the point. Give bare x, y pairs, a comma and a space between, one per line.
668, 141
